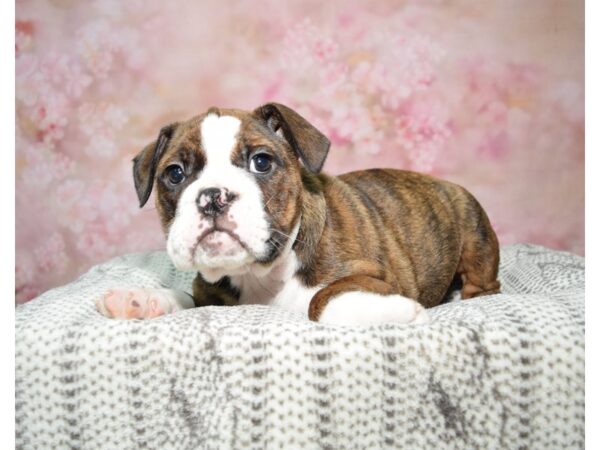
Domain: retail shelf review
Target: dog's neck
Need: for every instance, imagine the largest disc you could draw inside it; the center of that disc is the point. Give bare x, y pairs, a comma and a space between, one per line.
265, 284
314, 215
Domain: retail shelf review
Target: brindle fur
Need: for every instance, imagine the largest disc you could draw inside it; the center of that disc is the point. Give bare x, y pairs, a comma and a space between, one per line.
409, 230
382, 230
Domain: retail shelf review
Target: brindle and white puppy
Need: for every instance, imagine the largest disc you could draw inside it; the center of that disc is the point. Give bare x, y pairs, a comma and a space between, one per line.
242, 202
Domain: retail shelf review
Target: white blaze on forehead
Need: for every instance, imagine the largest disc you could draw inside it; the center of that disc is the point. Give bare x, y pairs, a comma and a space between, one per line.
219, 136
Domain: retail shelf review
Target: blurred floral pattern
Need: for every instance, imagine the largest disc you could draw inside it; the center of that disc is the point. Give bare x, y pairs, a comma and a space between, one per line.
488, 94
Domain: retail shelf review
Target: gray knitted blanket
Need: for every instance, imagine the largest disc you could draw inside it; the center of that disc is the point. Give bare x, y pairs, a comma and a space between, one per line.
499, 372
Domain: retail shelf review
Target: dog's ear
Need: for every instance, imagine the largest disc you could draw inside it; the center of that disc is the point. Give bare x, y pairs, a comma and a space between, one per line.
308, 143
144, 164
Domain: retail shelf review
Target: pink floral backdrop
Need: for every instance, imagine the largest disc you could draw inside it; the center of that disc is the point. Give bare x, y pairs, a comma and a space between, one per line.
488, 94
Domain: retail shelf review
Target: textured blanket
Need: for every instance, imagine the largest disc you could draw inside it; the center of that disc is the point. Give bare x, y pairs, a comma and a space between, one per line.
499, 372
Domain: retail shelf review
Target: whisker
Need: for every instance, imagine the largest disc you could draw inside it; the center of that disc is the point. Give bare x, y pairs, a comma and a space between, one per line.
271, 198
278, 245
286, 235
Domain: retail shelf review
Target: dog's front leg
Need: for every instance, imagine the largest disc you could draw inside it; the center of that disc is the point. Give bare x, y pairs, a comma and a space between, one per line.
363, 300
147, 303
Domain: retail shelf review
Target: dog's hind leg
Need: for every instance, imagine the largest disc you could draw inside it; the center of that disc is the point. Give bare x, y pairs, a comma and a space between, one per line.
479, 260
363, 300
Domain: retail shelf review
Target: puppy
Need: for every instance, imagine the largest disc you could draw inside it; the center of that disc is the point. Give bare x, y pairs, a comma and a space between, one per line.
243, 202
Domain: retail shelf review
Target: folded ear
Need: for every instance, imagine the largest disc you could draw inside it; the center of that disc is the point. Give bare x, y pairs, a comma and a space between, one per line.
144, 164
308, 143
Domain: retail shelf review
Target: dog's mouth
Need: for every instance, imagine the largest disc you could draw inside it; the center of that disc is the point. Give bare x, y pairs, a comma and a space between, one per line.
214, 230
220, 241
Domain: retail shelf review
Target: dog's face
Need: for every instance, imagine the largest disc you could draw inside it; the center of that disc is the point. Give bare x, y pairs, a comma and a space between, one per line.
229, 186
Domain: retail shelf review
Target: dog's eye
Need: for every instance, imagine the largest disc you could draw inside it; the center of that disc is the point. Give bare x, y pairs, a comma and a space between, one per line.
175, 174
261, 163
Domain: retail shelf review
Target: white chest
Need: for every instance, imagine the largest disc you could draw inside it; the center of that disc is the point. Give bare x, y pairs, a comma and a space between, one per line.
279, 287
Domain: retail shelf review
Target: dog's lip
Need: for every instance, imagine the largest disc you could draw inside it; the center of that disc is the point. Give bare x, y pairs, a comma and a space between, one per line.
212, 230
216, 229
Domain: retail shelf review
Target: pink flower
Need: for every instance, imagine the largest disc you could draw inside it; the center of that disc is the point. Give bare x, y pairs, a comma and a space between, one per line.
422, 137
44, 165
95, 244
495, 145
50, 255
100, 123
100, 63
51, 116
69, 193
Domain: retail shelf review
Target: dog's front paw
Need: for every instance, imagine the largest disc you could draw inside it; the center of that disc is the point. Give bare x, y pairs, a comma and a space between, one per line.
140, 303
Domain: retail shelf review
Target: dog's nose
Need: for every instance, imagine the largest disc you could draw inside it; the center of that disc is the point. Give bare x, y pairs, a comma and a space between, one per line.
214, 201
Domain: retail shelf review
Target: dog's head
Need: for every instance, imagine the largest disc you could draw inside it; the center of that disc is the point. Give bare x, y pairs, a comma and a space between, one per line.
229, 186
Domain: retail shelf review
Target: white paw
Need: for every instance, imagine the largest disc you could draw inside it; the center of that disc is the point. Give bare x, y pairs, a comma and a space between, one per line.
140, 303
365, 308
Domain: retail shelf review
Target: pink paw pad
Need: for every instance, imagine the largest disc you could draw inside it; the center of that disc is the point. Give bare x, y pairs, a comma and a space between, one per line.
132, 304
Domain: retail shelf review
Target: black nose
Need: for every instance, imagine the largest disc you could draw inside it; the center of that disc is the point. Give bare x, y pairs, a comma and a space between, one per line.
214, 201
